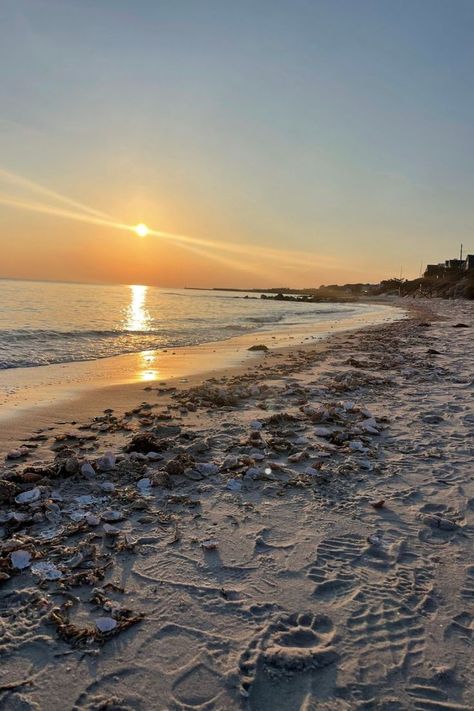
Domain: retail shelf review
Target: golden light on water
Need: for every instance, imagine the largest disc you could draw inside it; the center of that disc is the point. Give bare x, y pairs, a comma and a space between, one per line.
147, 372
137, 317
141, 230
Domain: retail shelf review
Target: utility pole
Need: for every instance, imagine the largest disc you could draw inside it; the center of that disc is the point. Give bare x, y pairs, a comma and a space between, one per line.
460, 256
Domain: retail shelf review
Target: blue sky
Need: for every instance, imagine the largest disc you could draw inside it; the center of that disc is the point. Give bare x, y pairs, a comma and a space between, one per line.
340, 128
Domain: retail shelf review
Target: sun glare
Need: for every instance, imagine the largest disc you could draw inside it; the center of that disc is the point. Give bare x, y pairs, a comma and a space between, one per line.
141, 230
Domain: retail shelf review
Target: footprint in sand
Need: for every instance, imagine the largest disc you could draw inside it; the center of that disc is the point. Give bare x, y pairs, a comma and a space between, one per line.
288, 649
467, 588
462, 626
442, 692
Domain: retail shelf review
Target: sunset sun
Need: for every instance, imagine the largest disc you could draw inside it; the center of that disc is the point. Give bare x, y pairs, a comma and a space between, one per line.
141, 230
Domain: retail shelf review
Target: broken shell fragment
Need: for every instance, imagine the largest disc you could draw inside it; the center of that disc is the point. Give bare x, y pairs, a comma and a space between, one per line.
105, 624
47, 571
20, 559
210, 544
28, 497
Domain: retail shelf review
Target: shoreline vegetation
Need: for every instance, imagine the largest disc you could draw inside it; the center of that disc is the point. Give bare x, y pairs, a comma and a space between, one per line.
294, 532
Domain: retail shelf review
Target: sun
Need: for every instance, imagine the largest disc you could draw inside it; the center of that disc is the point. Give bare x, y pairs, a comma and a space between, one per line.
141, 230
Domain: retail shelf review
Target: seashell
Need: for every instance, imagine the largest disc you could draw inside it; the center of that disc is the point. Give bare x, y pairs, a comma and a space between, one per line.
110, 530
28, 497
72, 465
107, 462
210, 544
45, 570
20, 559
76, 516
154, 456
105, 624
87, 469
207, 469
230, 462
357, 445
111, 515
322, 432
85, 500
18, 453
370, 425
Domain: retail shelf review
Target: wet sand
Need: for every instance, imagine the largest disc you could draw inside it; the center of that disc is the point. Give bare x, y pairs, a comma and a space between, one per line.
31, 398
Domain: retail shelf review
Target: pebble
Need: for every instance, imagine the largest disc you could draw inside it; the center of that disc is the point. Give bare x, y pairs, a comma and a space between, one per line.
234, 485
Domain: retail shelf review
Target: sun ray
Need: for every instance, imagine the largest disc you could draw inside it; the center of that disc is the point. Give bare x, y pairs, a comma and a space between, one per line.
35, 187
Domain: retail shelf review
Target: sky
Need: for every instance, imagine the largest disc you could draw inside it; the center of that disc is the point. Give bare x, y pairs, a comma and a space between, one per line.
294, 142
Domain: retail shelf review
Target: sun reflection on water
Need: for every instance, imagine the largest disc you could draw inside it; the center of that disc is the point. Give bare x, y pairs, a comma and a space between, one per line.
137, 317
147, 372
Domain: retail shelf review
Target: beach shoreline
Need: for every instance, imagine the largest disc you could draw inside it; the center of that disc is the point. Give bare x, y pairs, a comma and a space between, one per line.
39, 397
289, 534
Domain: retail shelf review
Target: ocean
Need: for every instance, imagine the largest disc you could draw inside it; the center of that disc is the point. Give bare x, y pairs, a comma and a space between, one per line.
43, 323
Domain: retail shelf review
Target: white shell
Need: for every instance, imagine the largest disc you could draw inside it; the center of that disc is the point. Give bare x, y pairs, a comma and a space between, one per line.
87, 469
28, 497
105, 624
20, 559
46, 570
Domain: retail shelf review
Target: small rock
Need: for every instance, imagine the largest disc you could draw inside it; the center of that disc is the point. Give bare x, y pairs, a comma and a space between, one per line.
258, 347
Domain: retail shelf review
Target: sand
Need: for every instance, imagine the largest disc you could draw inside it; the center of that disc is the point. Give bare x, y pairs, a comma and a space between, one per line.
302, 539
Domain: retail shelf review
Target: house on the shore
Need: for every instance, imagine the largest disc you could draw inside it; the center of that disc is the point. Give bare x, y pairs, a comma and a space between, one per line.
450, 267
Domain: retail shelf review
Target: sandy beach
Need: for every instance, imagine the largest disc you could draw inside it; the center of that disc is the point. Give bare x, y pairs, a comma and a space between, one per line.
292, 532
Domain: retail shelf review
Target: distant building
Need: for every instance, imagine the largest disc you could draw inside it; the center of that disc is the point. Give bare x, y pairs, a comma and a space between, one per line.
450, 266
